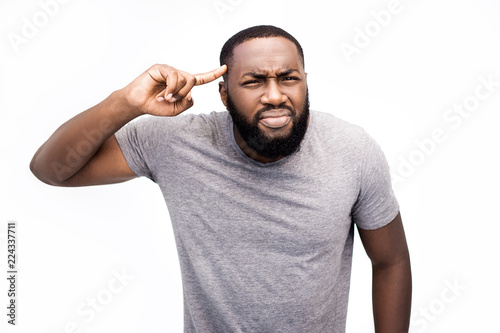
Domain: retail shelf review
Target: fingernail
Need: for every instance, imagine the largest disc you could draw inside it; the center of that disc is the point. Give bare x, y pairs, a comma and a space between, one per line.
160, 99
169, 96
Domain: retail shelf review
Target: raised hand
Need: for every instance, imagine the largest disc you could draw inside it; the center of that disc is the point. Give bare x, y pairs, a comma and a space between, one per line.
166, 91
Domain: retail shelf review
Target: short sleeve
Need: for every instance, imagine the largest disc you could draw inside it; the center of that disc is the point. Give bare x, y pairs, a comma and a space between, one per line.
135, 141
376, 204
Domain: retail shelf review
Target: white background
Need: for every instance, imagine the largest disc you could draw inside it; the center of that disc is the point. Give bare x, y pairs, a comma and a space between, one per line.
399, 85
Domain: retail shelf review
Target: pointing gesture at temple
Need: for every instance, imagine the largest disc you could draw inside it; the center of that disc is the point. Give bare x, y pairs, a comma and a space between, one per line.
166, 91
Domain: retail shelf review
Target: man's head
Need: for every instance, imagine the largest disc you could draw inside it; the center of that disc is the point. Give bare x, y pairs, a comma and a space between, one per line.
265, 91
259, 31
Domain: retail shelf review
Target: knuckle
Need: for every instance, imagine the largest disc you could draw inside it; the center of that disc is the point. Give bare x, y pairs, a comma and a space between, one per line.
159, 66
172, 79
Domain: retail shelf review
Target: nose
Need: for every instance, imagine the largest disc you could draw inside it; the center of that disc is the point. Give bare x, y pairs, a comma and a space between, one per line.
273, 94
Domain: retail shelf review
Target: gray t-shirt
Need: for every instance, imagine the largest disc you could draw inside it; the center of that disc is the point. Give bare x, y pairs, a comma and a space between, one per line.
263, 247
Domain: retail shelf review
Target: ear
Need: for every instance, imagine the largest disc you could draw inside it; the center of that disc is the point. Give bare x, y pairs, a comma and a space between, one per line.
223, 92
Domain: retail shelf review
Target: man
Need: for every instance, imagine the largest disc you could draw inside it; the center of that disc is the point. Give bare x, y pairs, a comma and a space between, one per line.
263, 198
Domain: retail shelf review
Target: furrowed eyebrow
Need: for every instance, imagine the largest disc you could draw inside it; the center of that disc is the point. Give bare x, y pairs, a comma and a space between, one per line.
255, 75
288, 72
263, 76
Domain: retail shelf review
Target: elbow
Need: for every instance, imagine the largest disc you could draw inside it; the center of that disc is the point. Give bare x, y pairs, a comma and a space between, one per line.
43, 173
399, 263
35, 170
33, 167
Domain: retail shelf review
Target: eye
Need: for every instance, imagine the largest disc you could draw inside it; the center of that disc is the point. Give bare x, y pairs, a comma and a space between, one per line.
250, 82
291, 78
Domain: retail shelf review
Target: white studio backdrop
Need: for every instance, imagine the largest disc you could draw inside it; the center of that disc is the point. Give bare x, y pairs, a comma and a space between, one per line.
421, 76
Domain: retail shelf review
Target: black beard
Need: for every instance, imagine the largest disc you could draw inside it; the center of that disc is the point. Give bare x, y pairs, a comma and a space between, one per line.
271, 148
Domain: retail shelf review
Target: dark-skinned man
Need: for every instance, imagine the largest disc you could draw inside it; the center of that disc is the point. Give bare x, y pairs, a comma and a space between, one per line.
263, 197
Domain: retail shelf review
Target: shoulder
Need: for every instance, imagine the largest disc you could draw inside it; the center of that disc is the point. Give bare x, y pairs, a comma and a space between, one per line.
341, 140
333, 124
332, 130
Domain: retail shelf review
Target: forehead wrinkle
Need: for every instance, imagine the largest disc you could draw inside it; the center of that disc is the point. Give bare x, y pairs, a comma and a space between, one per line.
264, 56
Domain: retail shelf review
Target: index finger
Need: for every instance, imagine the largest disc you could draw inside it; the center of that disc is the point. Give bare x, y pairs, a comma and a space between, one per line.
210, 76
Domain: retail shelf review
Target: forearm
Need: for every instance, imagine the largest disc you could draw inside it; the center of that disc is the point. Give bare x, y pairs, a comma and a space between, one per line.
392, 297
74, 143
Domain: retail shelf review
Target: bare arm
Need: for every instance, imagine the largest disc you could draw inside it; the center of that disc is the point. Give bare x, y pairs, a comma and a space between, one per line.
70, 156
391, 290
83, 151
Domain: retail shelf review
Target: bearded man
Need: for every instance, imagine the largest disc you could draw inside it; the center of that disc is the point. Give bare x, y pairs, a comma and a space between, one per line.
263, 197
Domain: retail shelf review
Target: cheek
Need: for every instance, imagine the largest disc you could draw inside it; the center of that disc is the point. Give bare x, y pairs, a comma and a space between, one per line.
297, 97
247, 102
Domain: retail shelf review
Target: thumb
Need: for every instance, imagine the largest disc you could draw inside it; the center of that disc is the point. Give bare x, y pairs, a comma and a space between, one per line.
183, 104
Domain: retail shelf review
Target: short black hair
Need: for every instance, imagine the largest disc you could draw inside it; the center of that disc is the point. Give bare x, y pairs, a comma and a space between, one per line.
259, 31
